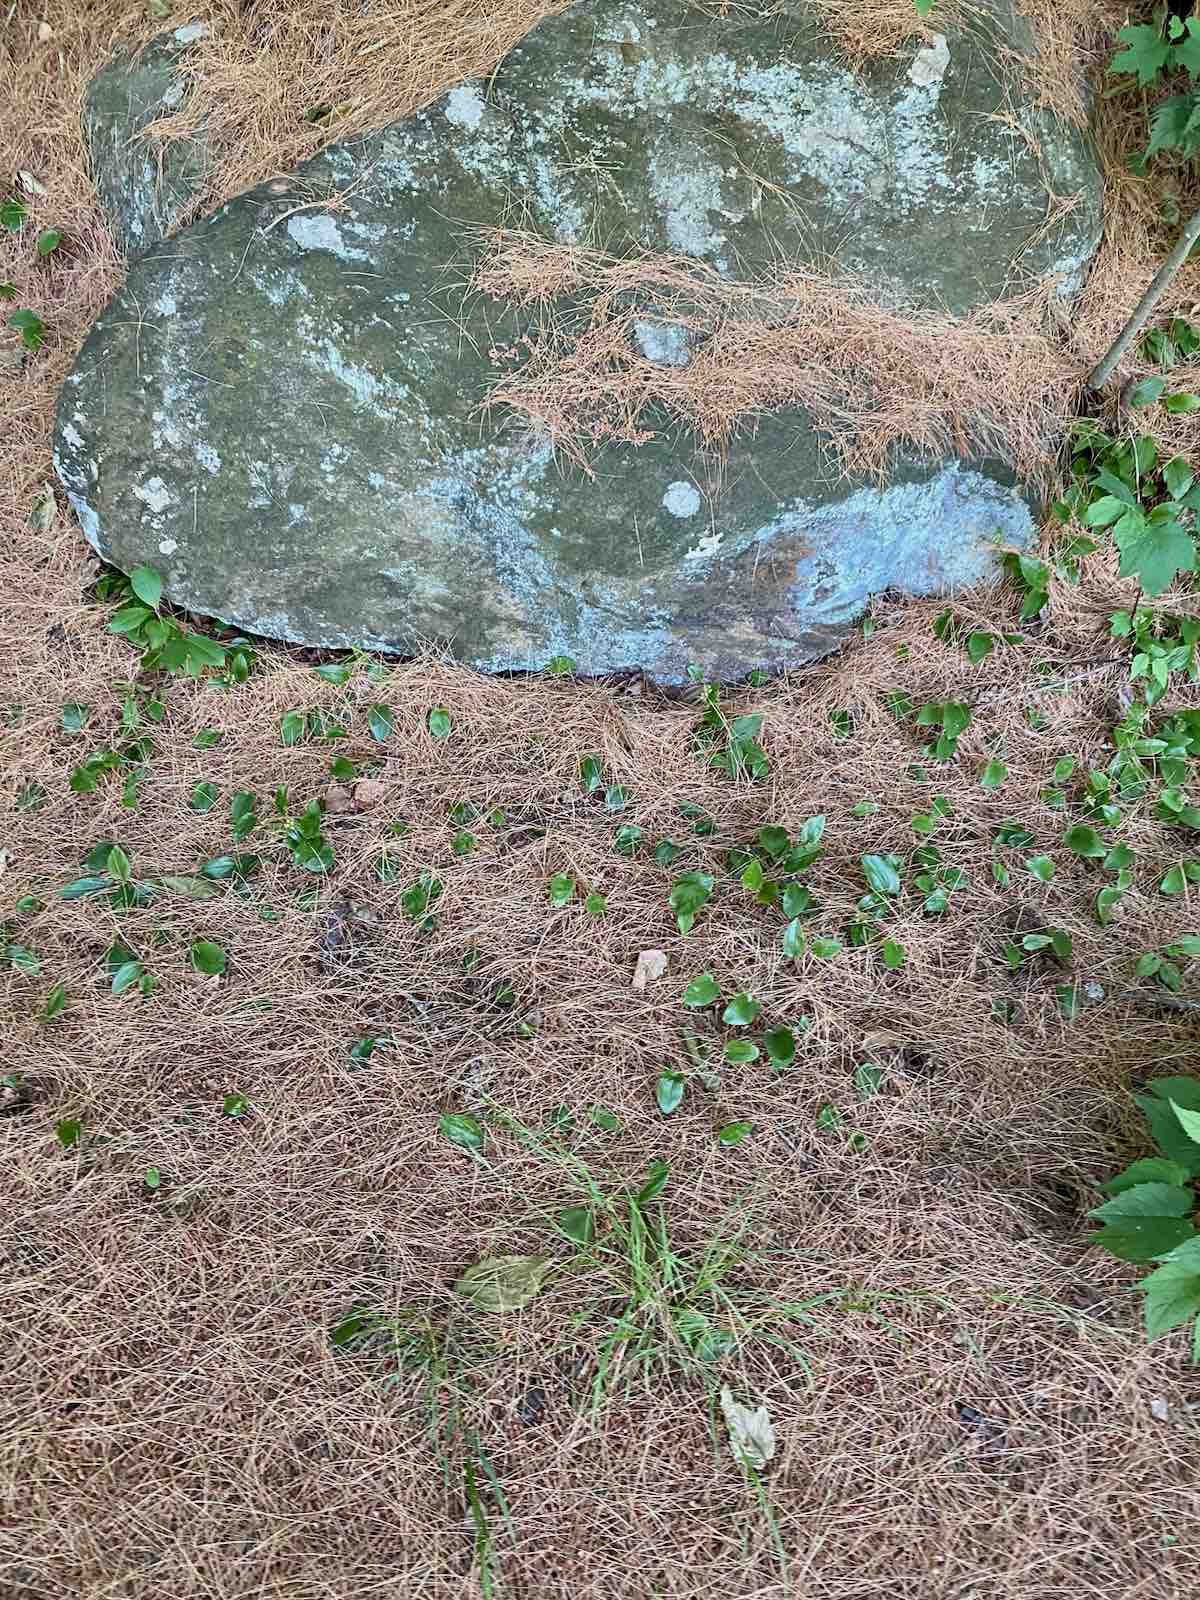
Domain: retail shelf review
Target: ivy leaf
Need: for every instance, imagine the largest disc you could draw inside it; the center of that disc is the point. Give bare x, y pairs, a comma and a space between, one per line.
668, 1092
739, 1051
1085, 841
380, 722
993, 774
1153, 552
794, 939
733, 1133
1146, 53
31, 328
881, 874
208, 957
741, 1011
1041, 867
688, 893
780, 1045
702, 991
462, 1129
560, 888
292, 726
48, 241
439, 725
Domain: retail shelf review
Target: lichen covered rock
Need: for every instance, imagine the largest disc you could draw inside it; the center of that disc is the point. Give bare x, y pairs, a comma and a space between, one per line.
292, 429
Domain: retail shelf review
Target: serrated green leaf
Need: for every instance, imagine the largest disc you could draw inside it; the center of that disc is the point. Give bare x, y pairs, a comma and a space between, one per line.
1150, 1169
1188, 1120
1142, 1238
1172, 1298
1153, 552
1146, 53
1147, 1200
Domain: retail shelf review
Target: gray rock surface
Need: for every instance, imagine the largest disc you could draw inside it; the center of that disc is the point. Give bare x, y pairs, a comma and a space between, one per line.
289, 428
145, 188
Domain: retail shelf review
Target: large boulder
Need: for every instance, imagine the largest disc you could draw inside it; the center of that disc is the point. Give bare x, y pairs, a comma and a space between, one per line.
144, 186
282, 409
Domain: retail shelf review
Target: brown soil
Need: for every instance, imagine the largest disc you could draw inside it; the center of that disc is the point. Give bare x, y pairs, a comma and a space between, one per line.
971, 1416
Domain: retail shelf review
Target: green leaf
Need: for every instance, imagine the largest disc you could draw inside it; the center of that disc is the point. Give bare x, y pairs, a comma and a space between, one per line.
881, 874
798, 900
688, 894
208, 957
234, 1105
68, 1132
668, 1092
666, 852
31, 328
152, 1179
596, 904
438, 722
380, 722
73, 716
627, 838
1188, 1120
993, 774
79, 888
203, 797
656, 1179
741, 1011
1178, 477
560, 888
1153, 552
1041, 867
780, 1045
1148, 392
604, 1118
55, 1004
740, 1051
1172, 1298
1181, 403
126, 975
1146, 53
980, 646
1147, 1200
147, 585
774, 840
292, 727
1175, 881
502, 1283
13, 213
1085, 841
794, 939
48, 241
462, 1129
702, 991
560, 666
591, 773
733, 1133
1150, 1169
578, 1224
825, 947
1142, 1238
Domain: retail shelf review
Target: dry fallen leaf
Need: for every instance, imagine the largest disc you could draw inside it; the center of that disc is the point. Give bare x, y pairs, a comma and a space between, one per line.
42, 514
338, 798
503, 1283
651, 964
45, 33
751, 1435
1160, 1409
369, 792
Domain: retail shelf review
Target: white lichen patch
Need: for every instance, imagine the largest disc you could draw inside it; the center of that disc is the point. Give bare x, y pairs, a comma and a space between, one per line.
168, 547
465, 106
667, 344
208, 458
153, 494
930, 63
191, 33
318, 231
682, 499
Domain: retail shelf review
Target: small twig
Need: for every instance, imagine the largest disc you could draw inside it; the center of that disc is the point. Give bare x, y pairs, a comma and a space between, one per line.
1159, 284
1155, 1002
